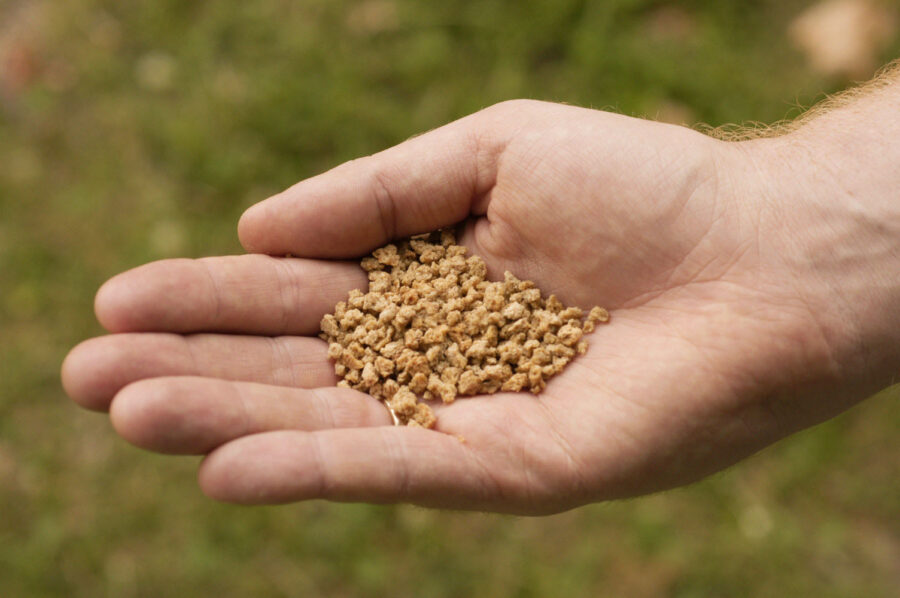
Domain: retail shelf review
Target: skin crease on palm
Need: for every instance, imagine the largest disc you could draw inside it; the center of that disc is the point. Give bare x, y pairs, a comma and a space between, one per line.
733, 320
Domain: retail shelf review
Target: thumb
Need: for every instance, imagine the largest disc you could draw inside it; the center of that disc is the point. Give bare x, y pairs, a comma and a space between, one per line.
422, 184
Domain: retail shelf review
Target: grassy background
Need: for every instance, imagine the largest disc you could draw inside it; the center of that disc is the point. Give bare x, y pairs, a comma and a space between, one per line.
140, 130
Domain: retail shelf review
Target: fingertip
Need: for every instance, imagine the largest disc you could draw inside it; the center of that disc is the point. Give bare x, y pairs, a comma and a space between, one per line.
108, 302
275, 226
124, 302
213, 489
177, 415
134, 411
68, 377
249, 227
208, 478
161, 295
266, 468
222, 477
80, 371
157, 414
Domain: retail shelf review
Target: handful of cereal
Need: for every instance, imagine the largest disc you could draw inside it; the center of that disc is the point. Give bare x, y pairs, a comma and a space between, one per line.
431, 326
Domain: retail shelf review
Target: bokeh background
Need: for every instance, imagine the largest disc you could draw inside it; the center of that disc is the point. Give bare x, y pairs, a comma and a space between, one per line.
139, 130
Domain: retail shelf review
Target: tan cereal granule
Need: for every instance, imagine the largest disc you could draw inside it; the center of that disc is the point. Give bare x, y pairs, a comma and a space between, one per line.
431, 326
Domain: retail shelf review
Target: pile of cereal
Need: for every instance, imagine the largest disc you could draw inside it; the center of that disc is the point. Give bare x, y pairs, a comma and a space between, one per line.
431, 326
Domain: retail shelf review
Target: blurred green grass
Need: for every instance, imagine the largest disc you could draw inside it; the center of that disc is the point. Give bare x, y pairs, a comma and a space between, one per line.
141, 130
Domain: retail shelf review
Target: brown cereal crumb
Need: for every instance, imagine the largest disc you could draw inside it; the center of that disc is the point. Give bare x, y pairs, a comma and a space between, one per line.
598, 314
432, 326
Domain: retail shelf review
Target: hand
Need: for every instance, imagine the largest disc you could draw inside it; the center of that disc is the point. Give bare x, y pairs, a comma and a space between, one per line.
718, 345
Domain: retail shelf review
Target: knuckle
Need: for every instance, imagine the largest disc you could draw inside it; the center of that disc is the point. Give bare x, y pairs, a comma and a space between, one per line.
383, 198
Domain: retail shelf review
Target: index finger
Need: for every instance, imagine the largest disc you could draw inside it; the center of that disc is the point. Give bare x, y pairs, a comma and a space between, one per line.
425, 183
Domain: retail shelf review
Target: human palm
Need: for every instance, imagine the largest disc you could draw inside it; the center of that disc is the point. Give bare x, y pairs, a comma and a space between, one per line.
657, 223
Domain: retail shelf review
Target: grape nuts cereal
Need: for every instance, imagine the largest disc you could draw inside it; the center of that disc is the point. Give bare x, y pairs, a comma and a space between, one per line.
432, 327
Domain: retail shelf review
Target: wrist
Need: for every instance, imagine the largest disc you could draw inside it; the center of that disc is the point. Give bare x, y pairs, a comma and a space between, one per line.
830, 208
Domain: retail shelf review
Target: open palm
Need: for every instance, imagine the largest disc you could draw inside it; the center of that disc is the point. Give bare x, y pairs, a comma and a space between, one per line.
660, 224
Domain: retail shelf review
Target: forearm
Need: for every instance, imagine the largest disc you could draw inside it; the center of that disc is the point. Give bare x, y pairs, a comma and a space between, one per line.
834, 206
